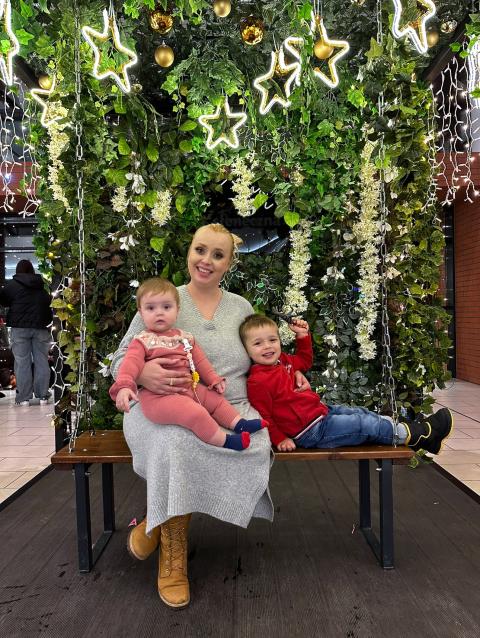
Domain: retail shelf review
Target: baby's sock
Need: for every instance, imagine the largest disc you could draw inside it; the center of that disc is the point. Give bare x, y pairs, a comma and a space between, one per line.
250, 425
237, 442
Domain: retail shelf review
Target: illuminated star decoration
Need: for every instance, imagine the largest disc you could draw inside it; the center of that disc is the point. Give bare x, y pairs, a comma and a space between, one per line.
110, 32
6, 65
231, 138
36, 94
342, 46
414, 29
278, 65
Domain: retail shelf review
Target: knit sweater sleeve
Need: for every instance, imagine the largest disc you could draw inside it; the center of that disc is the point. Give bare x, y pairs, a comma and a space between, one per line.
204, 367
130, 368
135, 328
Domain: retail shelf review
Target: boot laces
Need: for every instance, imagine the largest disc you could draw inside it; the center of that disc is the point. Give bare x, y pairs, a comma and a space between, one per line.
177, 544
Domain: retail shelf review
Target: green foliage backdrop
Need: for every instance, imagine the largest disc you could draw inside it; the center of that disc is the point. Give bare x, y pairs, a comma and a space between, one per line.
308, 165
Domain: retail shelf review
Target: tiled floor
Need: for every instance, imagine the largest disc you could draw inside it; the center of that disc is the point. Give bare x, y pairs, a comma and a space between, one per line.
461, 453
27, 439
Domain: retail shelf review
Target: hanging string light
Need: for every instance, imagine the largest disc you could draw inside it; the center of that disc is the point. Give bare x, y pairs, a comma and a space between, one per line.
6, 61
110, 32
228, 137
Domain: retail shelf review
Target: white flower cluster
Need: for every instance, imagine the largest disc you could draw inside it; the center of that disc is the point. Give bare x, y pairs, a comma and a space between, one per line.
366, 231
59, 141
161, 209
295, 301
120, 200
243, 172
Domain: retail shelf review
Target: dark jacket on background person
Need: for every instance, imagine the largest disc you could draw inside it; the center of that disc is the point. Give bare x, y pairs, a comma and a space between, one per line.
27, 300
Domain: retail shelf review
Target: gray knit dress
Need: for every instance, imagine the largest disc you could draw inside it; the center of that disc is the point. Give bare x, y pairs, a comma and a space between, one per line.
183, 473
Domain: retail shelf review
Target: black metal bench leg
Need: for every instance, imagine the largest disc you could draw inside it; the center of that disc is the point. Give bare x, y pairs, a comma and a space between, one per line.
364, 493
84, 527
108, 498
386, 512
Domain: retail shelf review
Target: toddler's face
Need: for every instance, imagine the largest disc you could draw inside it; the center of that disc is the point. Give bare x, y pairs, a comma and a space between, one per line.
159, 311
263, 345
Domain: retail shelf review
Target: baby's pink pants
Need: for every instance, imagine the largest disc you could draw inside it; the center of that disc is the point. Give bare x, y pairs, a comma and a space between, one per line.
183, 409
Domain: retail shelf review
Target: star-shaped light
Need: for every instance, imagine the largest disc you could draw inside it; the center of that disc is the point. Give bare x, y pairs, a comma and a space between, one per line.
39, 96
231, 138
342, 46
110, 32
414, 29
278, 66
6, 64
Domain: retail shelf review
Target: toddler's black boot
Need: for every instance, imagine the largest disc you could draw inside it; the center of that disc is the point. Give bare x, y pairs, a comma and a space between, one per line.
429, 433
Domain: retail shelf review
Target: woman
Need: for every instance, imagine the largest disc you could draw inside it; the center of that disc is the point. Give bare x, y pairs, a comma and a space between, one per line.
184, 474
28, 316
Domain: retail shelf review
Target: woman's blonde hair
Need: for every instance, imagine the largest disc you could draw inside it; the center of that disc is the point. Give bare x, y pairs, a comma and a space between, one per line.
220, 228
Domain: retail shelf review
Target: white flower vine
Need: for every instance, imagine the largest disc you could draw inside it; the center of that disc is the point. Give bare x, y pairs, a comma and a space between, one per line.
161, 209
243, 172
367, 234
59, 140
120, 200
295, 301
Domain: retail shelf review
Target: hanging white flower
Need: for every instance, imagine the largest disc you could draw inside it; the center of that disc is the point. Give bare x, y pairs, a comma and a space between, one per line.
367, 232
138, 183
120, 200
244, 176
295, 301
134, 283
161, 209
127, 241
104, 368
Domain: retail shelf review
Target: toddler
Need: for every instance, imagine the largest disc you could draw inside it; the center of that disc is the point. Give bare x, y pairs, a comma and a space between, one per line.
202, 408
300, 418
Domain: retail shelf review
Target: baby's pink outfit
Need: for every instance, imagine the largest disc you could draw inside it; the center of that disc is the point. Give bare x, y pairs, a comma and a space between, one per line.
201, 410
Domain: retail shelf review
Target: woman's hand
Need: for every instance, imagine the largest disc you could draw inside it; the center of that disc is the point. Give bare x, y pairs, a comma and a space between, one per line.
301, 382
287, 445
220, 387
124, 396
158, 378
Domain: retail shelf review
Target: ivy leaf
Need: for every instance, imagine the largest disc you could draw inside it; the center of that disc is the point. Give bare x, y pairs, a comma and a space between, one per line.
119, 105
157, 243
475, 92
291, 218
115, 176
375, 51
150, 198
25, 9
152, 151
177, 177
188, 125
23, 36
123, 147
181, 203
185, 146
260, 200
43, 6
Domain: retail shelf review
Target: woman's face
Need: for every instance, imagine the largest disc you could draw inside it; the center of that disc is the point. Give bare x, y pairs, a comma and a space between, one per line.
209, 257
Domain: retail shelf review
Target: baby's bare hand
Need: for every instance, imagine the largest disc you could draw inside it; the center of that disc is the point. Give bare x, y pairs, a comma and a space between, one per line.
124, 396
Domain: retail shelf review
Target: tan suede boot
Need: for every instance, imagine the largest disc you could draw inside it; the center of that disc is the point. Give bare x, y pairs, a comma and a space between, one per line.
173, 587
139, 545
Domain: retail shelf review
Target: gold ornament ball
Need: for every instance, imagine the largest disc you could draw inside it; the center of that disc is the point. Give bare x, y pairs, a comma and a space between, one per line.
322, 50
432, 37
160, 22
252, 30
222, 8
448, 26
45, 82
164, 56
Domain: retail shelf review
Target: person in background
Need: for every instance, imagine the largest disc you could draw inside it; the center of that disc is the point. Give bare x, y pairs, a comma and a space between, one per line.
28, 316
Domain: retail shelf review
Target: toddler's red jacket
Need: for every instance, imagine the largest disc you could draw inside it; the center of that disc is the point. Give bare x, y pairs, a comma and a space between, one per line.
271, 392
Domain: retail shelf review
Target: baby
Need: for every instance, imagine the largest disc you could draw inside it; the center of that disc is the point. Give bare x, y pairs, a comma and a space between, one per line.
202, 408
300, 418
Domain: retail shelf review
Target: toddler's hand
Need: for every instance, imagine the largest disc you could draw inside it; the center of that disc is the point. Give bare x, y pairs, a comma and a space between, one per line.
220, 387
299, 327
287, 445
124, 396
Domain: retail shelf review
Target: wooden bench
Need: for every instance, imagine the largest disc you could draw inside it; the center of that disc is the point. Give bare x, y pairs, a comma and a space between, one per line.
108, 447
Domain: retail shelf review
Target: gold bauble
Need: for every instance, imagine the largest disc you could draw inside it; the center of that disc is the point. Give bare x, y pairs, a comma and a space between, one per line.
432, 37
448, 26
164, 56
322, 50
160, 21
252, 30
222, 8
45, 82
